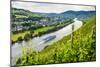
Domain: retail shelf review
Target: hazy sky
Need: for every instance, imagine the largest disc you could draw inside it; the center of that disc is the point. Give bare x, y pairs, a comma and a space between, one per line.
50, 8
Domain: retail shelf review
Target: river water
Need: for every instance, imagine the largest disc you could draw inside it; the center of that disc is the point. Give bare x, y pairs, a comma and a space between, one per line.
38, 43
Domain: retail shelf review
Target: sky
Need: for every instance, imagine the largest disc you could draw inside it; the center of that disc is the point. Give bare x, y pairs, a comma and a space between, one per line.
50, 7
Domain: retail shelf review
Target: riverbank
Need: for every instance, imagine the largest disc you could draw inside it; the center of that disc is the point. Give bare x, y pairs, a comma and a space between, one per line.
34, 43
20, 36
84, 48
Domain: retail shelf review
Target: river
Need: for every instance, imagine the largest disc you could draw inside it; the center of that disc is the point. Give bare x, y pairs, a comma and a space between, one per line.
38, 43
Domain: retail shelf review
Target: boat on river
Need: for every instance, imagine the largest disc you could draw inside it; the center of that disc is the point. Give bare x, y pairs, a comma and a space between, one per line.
49, 38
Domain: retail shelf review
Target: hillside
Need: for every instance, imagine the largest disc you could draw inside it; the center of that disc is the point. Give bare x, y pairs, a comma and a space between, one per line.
81, 15
83, 48
22, 14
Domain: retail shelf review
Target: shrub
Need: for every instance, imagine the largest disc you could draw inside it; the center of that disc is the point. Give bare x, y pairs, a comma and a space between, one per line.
32, 32
27, 37
19, 39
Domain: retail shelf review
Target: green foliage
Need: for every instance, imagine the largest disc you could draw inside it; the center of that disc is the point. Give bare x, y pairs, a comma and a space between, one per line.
27, 37
84, 48
32, 32
20, 39
37, 30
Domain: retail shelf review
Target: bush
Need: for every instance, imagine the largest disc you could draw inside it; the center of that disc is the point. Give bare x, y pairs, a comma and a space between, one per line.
32, 31
27, 37
19, 39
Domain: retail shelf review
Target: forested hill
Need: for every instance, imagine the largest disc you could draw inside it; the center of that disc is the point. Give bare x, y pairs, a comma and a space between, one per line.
22, 14
79, 14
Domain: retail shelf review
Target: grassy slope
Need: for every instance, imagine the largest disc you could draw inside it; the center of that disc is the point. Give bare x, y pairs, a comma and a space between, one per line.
61, 51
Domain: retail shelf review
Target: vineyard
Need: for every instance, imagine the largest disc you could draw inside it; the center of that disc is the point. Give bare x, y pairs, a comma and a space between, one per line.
82, 49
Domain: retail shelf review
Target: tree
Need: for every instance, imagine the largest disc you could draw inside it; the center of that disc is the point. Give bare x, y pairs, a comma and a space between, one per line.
20, 39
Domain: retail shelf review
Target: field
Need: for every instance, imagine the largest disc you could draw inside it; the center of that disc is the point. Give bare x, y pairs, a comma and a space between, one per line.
81, 49
14, 37
39, 31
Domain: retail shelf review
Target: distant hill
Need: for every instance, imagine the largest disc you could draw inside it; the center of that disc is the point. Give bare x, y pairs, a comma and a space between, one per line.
79, 14
21, 13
